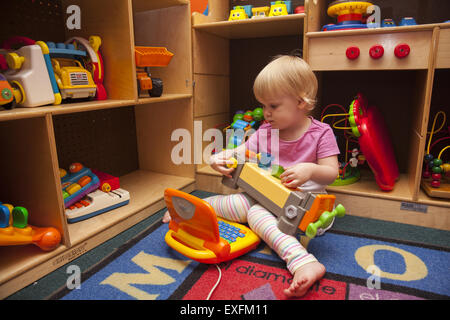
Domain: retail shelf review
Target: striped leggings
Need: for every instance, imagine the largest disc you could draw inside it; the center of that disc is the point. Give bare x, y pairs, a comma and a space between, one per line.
242, 208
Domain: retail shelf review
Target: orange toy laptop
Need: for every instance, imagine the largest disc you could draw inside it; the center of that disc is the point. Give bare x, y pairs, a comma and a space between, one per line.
196, 232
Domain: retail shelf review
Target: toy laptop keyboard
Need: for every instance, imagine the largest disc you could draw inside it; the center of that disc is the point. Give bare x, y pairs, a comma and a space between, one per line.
196, 232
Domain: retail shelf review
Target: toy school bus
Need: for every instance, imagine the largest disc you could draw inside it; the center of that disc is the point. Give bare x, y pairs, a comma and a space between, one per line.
306, 211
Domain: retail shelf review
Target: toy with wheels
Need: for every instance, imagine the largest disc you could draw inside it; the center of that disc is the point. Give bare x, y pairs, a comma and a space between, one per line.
94, 62
150, 57
15, 230
349, 14
28, 74
77, 183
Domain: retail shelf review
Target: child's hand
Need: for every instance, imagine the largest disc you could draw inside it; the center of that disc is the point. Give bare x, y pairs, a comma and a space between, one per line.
219, 163
295, 176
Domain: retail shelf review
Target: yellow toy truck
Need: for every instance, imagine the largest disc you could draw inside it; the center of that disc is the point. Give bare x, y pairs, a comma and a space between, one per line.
73, 80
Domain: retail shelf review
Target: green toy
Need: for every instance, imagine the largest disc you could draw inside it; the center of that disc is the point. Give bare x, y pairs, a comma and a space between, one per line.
326, 218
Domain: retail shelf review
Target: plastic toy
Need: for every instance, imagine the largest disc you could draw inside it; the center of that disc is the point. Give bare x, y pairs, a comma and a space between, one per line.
29, 75
78, 183
368, 126
408, 21
242, 122
294, 209
8, 94
196, 232
350, 15
15, 230
348, 168
150, 57
96, 203
260, 12
279, 8
436, 171
388, 23
107, 182
95, 62
299, 9
238, 13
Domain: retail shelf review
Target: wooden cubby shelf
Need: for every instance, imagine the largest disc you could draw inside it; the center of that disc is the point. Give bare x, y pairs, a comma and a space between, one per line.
255, 28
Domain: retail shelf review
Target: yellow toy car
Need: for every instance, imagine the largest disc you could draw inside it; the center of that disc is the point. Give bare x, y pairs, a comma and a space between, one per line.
73, 80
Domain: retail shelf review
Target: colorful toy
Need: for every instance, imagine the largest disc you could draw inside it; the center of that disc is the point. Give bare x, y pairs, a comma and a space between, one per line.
107, 182
299, 9
280, 8
28, 73
242, 122
388, 23
436, 171
15, 230
368, 126
260, 12
150, 57
350, 15
294, 209
348, 168
196, 232
408, 21
94, 63
239, 13
78, 183
96, 203
8, 95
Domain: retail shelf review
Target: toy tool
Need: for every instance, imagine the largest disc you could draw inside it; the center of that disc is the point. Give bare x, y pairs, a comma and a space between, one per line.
196, 231
294, 209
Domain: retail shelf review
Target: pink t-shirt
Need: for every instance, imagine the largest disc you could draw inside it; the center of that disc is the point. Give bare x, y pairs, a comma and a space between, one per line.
316, 143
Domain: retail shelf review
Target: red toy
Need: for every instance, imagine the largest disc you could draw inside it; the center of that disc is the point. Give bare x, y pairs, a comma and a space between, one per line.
368, 125
107, 182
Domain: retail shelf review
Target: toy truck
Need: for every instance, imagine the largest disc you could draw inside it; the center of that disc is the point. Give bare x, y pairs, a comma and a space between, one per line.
9, 95
73, 80
295, 210
147, 57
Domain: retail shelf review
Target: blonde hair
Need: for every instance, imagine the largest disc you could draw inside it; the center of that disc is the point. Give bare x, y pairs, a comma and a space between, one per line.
287, 74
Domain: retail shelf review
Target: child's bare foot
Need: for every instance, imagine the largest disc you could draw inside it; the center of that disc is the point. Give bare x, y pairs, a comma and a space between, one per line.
304, 278
166, 217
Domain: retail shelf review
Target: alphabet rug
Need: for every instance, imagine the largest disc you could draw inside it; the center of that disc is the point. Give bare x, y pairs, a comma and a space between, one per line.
358, 268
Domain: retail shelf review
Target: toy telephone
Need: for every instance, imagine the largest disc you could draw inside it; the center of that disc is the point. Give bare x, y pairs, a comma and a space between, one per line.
196, 232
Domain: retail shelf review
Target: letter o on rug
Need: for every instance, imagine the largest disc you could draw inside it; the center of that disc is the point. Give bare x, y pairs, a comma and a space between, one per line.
415, 267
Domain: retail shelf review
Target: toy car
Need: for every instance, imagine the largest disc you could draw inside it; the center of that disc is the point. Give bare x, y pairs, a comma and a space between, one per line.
73, 80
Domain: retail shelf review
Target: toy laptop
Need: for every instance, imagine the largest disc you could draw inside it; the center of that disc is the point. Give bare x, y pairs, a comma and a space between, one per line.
197, 233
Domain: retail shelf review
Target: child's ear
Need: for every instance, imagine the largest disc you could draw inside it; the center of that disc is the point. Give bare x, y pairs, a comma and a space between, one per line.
302, 105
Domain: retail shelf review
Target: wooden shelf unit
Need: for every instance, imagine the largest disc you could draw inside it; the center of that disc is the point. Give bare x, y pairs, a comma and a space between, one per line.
126, 136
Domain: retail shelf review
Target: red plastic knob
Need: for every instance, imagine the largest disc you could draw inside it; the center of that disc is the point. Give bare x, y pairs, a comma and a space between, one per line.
352, 53
376, 52
402, 50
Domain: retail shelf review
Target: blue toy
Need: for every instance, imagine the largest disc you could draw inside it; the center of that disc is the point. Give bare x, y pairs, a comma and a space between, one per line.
388, 23
78, 183
408, 21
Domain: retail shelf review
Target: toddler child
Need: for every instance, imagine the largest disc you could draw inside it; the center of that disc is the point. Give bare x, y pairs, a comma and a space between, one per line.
306, 148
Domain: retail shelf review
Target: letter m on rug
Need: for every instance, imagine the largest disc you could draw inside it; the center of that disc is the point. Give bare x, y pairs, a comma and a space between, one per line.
154, 276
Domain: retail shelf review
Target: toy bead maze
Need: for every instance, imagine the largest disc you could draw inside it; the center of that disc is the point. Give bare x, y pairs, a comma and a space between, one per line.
436, 171
368, 126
